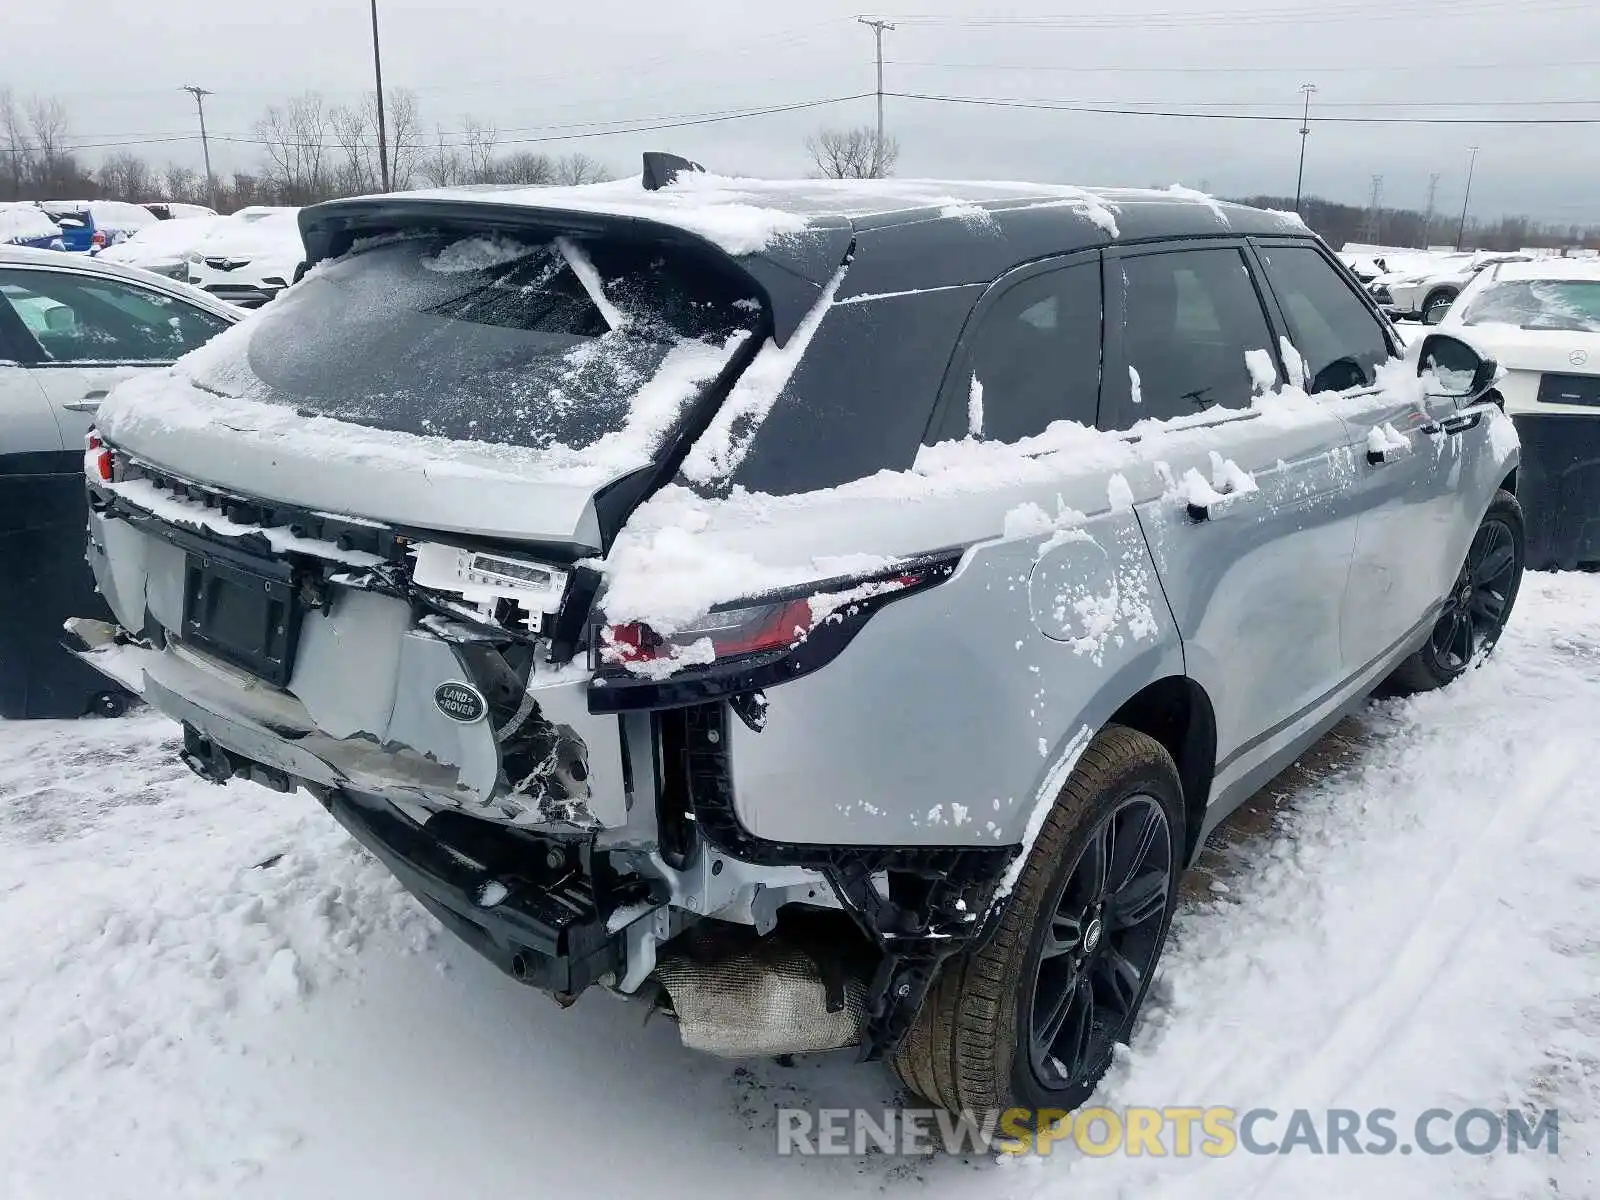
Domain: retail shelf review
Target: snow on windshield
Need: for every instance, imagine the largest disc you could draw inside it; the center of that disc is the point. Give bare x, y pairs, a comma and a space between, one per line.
1564, 304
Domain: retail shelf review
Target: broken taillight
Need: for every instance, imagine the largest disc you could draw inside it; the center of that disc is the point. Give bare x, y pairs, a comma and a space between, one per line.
99, 464
763, 627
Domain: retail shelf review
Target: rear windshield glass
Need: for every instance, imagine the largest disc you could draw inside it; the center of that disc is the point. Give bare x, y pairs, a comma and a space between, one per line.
532, 343
1570, 304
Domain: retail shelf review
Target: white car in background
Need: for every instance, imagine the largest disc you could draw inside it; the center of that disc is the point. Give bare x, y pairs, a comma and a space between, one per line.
249, 257
1417, 292
1540, 321
163, 247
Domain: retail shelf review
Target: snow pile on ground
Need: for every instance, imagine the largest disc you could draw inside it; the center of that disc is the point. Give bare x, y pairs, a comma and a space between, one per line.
211, 992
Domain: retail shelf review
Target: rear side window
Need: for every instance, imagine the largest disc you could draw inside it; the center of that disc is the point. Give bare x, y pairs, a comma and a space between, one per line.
531, 343
1339, 338
1190, 317
1035, 357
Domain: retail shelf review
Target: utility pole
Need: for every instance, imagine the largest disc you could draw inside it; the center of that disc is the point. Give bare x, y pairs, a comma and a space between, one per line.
200, 94
377, 72
1427, 215
1466, 197
877, 28
1305, 128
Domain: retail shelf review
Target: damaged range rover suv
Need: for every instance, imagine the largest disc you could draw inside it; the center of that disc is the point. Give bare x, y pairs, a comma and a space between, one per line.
835, 613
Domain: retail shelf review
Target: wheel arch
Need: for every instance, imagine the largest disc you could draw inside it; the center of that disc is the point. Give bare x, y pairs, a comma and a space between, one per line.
1176, 712
1509, 483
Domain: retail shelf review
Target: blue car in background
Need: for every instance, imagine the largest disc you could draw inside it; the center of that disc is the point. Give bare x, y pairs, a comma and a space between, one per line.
89, 226
26, 224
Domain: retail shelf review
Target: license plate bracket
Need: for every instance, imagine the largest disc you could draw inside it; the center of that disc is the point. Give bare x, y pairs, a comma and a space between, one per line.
244, 616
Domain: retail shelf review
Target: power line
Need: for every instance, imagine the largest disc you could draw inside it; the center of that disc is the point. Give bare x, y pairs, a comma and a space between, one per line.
1431, 68
1106, 110
649, 125
1178, 19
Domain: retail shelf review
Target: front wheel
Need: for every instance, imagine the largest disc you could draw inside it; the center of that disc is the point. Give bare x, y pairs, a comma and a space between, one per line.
1434, 306
1476, 610
1030, 1018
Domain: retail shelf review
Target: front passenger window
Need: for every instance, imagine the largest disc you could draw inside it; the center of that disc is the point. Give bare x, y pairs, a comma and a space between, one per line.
1341, 341
83, 318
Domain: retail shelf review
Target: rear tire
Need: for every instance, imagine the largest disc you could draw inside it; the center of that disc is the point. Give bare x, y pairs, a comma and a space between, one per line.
1478, 606
1030, 1017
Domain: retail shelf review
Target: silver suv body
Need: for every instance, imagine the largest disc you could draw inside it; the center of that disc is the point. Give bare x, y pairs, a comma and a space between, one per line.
730, 586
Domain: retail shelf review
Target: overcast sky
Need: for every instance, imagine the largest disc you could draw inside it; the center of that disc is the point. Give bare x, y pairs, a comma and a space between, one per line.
529, 68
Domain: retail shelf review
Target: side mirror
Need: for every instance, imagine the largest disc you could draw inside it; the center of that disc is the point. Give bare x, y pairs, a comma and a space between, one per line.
1452, 368
1436, 314
60, 319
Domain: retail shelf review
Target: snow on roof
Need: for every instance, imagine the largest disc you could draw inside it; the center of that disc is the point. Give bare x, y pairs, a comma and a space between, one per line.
1550, 268
744, 216
118, 214
24, 221
163, 237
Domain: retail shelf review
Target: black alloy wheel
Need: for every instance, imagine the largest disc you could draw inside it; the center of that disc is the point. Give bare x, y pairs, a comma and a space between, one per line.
1102, 941
1475, 611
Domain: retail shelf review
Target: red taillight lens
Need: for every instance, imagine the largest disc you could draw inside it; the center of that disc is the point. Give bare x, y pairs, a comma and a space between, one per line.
759, 627
99, 463
731, 633
98, 239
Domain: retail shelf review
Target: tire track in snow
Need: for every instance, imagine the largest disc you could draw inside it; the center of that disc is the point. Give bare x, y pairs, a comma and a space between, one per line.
1367, 1026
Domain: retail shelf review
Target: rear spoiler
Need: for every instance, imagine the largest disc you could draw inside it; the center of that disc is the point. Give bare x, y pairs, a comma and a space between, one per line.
790, 274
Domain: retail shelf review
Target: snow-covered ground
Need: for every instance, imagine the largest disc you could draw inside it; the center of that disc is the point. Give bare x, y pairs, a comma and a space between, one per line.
211, 992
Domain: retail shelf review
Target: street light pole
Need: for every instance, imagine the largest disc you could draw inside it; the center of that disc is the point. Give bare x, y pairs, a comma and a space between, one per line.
377, 73
1466, 196
1305, 128
200, 94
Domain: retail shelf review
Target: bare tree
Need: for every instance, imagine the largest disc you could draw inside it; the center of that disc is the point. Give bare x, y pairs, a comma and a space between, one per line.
403, 119
580, 168
477, 144
356, 138
126, 176
17, 148
55, 170
183, 184
524, 167
852, 153
441, 165
294, 138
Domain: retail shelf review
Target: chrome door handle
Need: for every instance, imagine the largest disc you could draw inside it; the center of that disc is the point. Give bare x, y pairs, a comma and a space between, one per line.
88, 404
1378, 457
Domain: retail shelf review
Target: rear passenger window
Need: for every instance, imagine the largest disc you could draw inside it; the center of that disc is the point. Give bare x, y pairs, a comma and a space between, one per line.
1190, 318
1341, 340
1036, 356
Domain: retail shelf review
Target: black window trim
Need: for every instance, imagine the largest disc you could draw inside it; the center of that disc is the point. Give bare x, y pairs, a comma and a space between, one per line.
32, 355
948, 421
1117, 411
